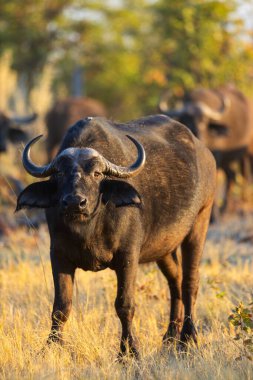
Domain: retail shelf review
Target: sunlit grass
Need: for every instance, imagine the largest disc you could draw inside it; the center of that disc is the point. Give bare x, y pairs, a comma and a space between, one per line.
92, 334
93, 330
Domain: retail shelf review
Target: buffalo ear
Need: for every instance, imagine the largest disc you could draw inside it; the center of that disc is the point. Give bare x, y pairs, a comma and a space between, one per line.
38, 195
17, 135
120, 193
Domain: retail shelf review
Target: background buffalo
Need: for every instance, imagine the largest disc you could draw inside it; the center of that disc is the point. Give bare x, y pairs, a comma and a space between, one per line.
65, 113
221, 119
11, 131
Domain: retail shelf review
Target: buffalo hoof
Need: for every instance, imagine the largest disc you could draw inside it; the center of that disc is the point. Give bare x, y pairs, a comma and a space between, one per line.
188, 333
124, 353
172, 333
55, 337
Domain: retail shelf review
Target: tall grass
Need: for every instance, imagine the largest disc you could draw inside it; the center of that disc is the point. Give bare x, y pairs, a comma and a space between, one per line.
92, 333
93, 330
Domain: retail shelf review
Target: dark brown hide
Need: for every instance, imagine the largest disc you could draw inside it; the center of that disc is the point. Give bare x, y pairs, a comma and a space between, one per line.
235, 120
10, 130
65, 113
248, 162
129, 222
228, 137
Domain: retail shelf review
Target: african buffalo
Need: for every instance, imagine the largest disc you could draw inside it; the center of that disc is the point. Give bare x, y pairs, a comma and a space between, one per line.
219, 118
102, 215
10, 130
65, 113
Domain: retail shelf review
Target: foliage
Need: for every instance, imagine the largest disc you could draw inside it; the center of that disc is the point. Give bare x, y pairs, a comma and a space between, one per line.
242, 319
128, 51
28, 31
214, 284
201, 44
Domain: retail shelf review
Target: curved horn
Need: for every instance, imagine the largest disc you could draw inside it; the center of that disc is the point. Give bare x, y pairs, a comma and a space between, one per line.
25, 119
212, 114
33, 169
127, 172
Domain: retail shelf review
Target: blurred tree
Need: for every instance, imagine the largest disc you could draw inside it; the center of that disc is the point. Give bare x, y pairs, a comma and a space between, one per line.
27, 29
203, 43
133, 49
111, 43
128, 50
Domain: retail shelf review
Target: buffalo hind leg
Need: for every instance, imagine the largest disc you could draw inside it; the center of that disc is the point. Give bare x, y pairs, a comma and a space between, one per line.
171, 267
63, 275
230, 177
124, 304
192, 248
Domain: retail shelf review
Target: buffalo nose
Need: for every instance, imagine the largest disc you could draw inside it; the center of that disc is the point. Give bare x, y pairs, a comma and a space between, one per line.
75, 203
82, 203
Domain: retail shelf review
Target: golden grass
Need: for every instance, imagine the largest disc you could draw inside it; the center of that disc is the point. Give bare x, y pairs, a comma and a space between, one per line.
93, 330
92, 333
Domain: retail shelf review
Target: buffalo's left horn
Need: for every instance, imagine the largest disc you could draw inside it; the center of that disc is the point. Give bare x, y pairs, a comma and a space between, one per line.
212, 114
25, 119
127, 172
33, 169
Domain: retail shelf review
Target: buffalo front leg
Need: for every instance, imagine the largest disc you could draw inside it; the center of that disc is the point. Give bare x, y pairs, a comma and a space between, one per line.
63, 274
192, 248
171, 267
124, 304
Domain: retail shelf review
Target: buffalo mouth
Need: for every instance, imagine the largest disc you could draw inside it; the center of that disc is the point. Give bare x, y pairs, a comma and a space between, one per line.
76, 216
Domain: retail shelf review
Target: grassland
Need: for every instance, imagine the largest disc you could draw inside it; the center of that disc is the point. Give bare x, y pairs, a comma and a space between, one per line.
93, 330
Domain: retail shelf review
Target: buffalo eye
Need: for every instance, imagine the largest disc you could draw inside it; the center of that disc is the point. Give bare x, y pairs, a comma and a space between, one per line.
97, 174
60, 174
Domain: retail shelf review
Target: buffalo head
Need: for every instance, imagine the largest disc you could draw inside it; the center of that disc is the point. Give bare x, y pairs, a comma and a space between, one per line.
197, 115
10, 130
80, 181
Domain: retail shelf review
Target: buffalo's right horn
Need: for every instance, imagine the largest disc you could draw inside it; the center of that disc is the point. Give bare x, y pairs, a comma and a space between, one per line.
33, 169
24, 120
127, 172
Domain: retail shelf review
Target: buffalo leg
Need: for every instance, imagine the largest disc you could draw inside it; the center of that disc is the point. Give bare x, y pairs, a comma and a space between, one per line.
192, 248
63, 275
245, 166
172, 270
229, 180
124, 304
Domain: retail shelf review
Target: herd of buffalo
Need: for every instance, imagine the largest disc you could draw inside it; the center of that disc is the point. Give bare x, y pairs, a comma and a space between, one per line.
120, 194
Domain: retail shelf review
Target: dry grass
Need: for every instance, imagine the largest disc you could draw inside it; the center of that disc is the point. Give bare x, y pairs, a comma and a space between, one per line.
93, 330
